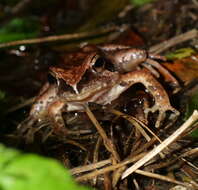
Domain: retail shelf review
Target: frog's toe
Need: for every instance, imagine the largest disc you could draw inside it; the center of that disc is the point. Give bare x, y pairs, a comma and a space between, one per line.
152, 109
25, 125
27, 128
162, 112
160, 118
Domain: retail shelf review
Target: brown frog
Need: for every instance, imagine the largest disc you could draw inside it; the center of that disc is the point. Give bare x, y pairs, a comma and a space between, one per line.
99, 74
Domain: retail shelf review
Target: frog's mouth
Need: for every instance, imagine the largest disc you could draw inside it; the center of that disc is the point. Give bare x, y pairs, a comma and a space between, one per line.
103, 93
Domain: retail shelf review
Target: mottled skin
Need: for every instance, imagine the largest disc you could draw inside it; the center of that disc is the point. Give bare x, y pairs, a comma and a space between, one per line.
101, 86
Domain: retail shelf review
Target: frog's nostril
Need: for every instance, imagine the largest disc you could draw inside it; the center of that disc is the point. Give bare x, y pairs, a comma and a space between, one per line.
99, 65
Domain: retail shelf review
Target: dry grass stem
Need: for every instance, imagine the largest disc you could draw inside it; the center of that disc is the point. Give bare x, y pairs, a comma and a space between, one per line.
137, 124
190, 152
72, 142
55, 38
109, 168
190, 164
174, 41
90, 167
193, 118
160, 177
21, 105
107, 142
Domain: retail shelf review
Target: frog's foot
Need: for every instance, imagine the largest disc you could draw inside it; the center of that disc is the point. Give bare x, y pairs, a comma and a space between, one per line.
161, 99
169, 78
162, 111
29, 127
25, 125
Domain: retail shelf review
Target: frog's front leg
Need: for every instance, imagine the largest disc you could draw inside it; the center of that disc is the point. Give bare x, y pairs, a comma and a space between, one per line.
55, 115
47, 109
168, 77
38, 116
162, 103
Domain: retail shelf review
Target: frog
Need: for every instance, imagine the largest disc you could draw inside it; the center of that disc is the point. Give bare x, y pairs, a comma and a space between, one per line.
100, 74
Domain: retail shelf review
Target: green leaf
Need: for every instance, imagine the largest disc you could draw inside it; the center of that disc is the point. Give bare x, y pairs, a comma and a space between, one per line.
6, 155
32, 172
180, 53
140, 2
18, 29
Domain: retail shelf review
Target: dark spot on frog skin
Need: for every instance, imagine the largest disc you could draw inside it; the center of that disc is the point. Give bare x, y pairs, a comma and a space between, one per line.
122, 83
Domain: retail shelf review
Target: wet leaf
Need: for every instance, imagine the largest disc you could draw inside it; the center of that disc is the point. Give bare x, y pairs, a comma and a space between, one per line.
180, 53
186, 69
30, 171
130, 38
19, 28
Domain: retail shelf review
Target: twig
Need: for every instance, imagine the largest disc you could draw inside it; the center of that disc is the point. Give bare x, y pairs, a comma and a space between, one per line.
173, 41
135, 121
107, 142
121, 164
137, 187
160, 177
109, 168
95, 156
21, 105
193, 118
90, 167
54, 38
190, 152
132, 121
190, 164
75, 143
173, 160
145, 146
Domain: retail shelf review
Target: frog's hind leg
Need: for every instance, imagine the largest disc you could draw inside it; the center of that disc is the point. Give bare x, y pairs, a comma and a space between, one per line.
55, 115
162, 104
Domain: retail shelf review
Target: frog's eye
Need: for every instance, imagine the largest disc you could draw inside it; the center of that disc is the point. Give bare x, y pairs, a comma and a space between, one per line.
102, 64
